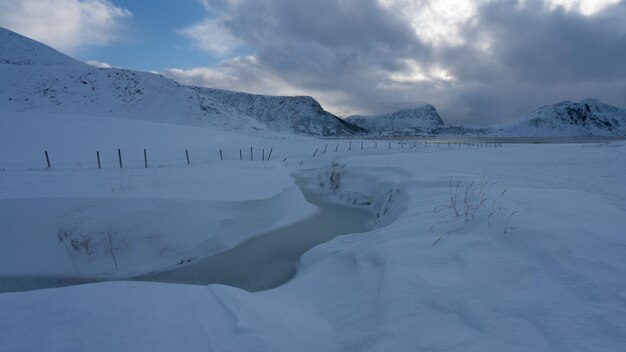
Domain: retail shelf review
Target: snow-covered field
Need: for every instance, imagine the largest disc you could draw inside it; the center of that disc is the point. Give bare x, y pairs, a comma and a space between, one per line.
518, 248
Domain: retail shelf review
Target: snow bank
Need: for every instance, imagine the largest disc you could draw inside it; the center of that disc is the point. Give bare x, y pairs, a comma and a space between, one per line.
117, 237
158, 317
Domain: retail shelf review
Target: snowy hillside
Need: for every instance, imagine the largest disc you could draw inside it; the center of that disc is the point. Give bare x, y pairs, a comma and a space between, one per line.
589, 117
37, 78
417, 118
280, 113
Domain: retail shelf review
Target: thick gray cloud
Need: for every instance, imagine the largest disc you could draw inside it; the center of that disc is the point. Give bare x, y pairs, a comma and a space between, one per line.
477, 61
557, 46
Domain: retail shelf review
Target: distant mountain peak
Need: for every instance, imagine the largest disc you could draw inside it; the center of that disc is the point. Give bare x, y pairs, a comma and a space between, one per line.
589, 117
417, 117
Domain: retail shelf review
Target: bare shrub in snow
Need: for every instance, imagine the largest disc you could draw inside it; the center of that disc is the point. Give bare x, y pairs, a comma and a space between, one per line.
476, 196
110, 249
335, 177
65, 237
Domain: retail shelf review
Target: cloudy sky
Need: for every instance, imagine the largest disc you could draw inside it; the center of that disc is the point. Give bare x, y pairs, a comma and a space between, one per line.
477, 61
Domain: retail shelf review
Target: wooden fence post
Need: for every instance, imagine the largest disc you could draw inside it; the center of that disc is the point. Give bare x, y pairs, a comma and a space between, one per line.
337, 147
119, 157
270, 154
47, 159
263, 154
98, 158
221, 156
325, 147
315, 152
251, 155
145, 158
350, 147
240, 155
187, 155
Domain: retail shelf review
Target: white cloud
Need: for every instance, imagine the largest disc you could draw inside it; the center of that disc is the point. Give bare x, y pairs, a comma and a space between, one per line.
415, 73
436, 22
239, 73
66, 25
585, 7
98, 64
211, 37
245, 74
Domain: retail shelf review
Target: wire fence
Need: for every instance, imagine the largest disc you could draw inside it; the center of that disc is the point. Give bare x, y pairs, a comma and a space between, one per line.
350, 145
332, 147
248, 154
187, 158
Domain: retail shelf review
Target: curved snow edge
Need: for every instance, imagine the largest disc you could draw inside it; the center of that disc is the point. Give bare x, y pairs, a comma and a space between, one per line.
386, 197
143, 234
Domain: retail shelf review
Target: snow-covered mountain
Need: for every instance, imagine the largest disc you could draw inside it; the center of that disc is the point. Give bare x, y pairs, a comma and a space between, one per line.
418, 118
37, 78
301, 114
588, 117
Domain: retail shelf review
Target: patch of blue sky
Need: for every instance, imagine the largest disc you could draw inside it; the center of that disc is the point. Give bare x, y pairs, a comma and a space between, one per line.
151, 40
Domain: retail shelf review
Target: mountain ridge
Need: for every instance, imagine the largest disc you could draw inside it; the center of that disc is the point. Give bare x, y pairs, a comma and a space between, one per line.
41, 79
38, 78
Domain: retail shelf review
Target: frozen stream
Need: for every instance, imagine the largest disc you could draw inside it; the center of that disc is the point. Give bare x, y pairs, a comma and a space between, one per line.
261, 263
271, 259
